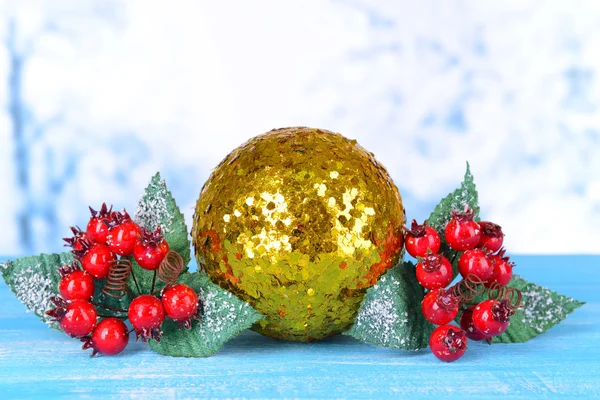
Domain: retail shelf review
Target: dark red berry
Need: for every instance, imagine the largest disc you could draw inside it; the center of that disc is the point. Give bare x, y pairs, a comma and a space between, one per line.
491, 236
434, 271
97, 228
440, 306
78, 285
76, 318
448, 343
146, 314
492, 317
97, 259
420, 239
502, 270
474, 262
78, 238
466, 323
181, 304
110, 337
462, 232
150, 249
123, 234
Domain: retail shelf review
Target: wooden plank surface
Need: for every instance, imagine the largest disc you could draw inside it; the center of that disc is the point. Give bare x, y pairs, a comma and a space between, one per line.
38, 362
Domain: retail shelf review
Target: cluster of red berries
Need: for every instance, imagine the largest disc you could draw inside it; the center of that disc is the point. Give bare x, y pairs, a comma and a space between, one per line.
110, 235
481, 263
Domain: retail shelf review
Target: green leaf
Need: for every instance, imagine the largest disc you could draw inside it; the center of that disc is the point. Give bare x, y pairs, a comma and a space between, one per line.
465, 195
34, 280
158, 207
224, 317
390, 314
109, 301
542, 309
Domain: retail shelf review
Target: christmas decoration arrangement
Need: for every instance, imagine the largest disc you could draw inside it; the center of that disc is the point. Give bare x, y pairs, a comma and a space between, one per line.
299, 234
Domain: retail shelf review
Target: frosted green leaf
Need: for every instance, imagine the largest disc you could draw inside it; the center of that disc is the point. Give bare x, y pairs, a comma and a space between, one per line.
465, 195
158, 207
224, 317
541, 310
34, 280
390, 314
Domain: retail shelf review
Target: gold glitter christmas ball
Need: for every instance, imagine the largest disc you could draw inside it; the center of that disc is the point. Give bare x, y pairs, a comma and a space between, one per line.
299, 222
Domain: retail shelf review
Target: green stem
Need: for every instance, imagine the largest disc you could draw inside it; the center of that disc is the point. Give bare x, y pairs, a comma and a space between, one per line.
136, 282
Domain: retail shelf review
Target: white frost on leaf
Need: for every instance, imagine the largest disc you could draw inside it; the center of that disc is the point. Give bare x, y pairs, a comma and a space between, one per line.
380, 314
539, 311
219, 314
34, 290
152, 209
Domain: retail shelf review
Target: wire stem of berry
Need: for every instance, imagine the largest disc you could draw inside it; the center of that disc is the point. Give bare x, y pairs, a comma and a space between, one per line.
153, 281
136, 282
108, 308
454, 257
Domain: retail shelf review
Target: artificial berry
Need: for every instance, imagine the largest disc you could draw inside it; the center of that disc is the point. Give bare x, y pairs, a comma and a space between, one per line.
123, 234
97, 228
146, 314
150, 249
502, 270
110, 337
492, 317
77, 285
466, 323
462, 232
448, 343
96, 259
181, 304
421, 239
76, 242
491, 236
440, 306
434, 271
474, 262
76, 318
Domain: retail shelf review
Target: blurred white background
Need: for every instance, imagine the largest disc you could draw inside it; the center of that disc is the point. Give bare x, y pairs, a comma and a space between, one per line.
97, 96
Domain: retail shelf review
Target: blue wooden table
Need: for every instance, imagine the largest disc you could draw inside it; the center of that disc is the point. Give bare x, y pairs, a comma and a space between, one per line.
38, 362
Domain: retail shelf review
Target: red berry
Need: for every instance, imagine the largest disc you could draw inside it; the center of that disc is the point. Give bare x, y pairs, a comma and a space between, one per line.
77, 318
502, 270
150, 249
78, 285
110, 337
440, 306
491, 236
474, 262
146, 314
462, 232
448, 343
420, 239
434, 271
492, 317
180, 303
97, 259
466, 323
123, 235
97, 228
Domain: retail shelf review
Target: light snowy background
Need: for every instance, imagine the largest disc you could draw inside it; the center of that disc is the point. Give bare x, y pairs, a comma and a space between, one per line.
98, 96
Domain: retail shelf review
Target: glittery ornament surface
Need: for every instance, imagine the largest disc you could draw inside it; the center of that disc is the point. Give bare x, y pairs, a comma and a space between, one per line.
299, 222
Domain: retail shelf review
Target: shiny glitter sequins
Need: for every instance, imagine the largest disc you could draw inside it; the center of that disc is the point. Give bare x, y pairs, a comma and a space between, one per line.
299, 222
